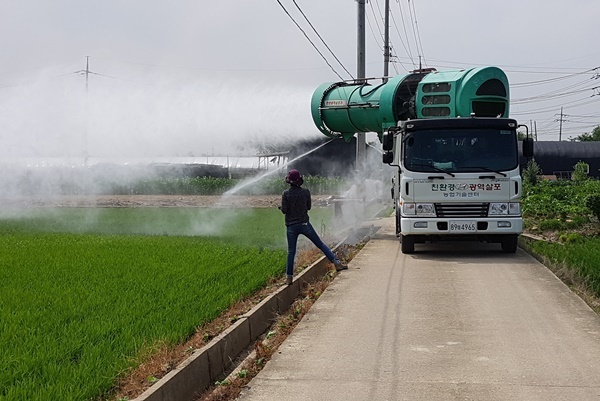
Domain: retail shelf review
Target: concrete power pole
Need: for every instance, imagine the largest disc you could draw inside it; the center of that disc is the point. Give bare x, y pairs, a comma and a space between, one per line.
386, 42
84, 138
561, 121
361, 138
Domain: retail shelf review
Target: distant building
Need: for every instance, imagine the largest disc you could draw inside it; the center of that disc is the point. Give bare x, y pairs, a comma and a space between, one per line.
334, 159
558, 158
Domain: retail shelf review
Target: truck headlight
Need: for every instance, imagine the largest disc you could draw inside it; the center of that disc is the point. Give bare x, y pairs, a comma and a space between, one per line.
419, 209
425, 209
498, 209
505, 209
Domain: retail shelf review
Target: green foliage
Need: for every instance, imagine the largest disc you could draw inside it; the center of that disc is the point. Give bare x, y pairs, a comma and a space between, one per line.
218, 186
562, 200
570, 238
589, 137
550, 224
79, 308
580, 254
577, 221
565, 206
552, 199
175, 186
580, 171
531, 173
592, 202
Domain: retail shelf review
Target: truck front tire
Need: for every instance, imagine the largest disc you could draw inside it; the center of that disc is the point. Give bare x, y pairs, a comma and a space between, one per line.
408, 244
510, 243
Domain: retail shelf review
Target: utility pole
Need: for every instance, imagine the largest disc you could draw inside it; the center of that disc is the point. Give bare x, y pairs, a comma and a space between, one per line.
561, 121
361, 138
86, 154
386, 42
87, 72
360, 62
84, 137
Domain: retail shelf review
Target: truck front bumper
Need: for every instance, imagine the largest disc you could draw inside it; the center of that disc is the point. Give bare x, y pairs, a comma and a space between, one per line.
461, 227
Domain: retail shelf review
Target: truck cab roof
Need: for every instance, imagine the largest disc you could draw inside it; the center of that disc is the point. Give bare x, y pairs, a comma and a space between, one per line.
458, 123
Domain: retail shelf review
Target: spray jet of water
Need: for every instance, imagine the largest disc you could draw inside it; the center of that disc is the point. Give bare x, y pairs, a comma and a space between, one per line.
254, 180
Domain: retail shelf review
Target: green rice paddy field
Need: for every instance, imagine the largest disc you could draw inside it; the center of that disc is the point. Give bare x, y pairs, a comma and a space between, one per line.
85, 292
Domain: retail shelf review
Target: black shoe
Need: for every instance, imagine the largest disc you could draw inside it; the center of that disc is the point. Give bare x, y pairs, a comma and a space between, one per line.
289, 280
339, 266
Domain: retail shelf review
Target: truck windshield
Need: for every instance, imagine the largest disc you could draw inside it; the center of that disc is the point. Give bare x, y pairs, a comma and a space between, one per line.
460, 150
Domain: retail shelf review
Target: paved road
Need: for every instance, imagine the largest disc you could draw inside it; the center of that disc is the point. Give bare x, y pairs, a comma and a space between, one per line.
455, 321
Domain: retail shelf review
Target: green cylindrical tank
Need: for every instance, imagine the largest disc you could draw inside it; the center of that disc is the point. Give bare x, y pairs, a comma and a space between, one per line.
481, 91
342, 109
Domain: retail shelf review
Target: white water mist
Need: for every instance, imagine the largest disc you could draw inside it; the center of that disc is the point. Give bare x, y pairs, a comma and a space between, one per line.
269, 173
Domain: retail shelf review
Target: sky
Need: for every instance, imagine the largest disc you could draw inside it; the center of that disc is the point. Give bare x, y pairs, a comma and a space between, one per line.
191, 78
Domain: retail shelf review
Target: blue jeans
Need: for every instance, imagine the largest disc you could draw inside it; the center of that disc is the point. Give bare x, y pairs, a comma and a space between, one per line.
309, 232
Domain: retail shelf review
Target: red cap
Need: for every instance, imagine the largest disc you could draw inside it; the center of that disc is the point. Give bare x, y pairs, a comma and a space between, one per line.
294, 177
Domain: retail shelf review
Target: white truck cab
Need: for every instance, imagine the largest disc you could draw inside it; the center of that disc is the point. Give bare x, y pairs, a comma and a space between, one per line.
457, 179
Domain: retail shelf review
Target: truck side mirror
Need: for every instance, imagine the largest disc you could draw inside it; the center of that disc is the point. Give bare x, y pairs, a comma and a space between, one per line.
528, 147
388, 157
388, 138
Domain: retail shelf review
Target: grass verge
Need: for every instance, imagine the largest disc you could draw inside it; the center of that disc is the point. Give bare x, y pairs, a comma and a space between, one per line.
576, 263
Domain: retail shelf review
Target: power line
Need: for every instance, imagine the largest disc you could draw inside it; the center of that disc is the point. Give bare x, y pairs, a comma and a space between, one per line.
550, 80
323, 41
23, 83
376, 20
416, 27
407, 46
381, 35
575, 103
311, 42
552, 95
403, 44
511, 68
375, 38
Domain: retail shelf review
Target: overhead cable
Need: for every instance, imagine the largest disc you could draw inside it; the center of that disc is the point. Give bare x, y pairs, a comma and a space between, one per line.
575, 103
407, 46
554, 94
323, 41
376, 19
310, 41
375, 37
407, 49
549, 80
379, 39
415, 27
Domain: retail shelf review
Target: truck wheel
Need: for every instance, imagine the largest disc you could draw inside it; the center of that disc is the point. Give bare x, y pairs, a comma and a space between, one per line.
408, 244
510, 243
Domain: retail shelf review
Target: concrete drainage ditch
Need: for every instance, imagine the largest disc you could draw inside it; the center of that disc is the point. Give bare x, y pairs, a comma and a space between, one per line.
209, 363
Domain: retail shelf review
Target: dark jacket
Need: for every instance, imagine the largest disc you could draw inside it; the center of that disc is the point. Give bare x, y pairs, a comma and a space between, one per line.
295, 204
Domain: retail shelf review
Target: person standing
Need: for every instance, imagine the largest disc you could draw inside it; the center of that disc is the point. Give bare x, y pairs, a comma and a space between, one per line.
295, 204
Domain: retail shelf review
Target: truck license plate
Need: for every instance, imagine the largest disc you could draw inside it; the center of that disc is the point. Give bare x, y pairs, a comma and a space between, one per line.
463, 226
